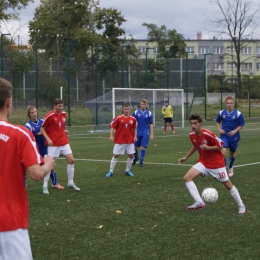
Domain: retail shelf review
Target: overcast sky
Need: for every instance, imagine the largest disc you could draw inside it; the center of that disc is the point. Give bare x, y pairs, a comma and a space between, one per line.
186, 16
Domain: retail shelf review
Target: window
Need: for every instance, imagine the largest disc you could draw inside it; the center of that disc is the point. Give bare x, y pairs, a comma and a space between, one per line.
190, 49
231, 64
246, 50
246, 66
218, 66
257, 50
231, 48
155, 50
203, 50
258, 66
142, 49
217, 50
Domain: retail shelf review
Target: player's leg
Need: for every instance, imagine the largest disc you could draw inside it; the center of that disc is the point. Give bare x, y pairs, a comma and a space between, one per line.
193, 172
236, 196
129, 162
232, 157
144, 145
172, 125
54, 179
137, 144
118, 149
165, 125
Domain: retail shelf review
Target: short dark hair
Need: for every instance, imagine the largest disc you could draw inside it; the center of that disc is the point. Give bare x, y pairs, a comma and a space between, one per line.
58, 101
125, 104
195, 117
5, 91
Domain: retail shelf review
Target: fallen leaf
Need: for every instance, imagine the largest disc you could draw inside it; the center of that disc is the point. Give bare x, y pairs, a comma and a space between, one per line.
118, 211
100, 226
47, 224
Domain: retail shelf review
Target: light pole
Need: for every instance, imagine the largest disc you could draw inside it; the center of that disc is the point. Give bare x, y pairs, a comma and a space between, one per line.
146, 76
2, 53
186, 87
205, 83
249, 105
68, 57
122, 58
96, 72
167, 55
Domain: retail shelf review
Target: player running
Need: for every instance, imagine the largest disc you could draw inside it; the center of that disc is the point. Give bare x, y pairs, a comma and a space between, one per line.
210, 162
144, 130
123, 133
168, 115
232, 122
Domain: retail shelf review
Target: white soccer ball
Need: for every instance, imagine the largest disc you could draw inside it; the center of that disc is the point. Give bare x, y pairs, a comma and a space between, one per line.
209, 195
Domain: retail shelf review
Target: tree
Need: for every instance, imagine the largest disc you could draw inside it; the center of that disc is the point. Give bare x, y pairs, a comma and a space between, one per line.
236, 19
167, 40
14, 4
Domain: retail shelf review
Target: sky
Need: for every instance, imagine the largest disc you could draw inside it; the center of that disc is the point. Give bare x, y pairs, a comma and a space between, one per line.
186, 16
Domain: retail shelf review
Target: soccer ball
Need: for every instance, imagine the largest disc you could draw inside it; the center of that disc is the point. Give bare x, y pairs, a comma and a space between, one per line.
209, 195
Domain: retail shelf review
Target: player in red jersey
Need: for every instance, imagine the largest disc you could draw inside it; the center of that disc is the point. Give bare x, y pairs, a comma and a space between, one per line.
123, 133
210, 162
18, 153
53, 129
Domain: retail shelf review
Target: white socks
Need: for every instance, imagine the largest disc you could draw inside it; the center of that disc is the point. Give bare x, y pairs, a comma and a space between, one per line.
129, 163
235, 194
70, 172
194, 191
113, 164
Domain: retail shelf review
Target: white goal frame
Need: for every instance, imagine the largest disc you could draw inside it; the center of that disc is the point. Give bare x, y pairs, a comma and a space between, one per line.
153, 101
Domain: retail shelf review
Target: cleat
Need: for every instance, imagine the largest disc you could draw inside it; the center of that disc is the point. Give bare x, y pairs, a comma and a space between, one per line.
230, 172
73, 186
242, 209
173, 132
109, 174
58, 186
128, 173
135, 160
141, 164
197, 205
45, 190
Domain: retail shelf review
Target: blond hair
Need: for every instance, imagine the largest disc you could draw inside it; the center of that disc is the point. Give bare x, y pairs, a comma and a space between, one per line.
229, 97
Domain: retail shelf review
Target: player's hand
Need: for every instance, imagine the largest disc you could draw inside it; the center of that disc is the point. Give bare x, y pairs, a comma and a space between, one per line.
151, 137
181, 160
111, 138
222, 132
67, 132
204, 147
49, 162
50, 143
231, 133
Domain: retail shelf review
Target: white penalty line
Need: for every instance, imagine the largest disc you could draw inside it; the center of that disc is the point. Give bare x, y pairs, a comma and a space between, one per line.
166, 164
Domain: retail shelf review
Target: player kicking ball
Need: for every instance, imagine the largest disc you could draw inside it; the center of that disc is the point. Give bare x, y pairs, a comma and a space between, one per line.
210, 162
123, 133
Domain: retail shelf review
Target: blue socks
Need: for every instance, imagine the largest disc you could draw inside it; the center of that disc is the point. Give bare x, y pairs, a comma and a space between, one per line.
142, 155
54, 179
231, 161
136, 154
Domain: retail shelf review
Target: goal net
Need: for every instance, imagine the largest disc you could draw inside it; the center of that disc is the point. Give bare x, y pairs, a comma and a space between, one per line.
156, 99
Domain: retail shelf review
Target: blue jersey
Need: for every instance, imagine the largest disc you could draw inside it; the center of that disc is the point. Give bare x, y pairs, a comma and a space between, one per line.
144, 119
230, 121
35, 128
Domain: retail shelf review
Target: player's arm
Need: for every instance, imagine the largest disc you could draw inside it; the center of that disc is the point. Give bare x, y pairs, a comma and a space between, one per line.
190, 153
163, 110
211, 148
38, 172
112, 133
235, 131
151, 131
49, 141
221, 131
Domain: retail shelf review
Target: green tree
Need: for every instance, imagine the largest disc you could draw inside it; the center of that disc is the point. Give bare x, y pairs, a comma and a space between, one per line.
11, 4
167, 40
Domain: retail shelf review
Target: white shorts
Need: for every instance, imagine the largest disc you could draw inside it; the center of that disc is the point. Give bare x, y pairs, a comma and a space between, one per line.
15, 245
57, 151
122, 148
220, 174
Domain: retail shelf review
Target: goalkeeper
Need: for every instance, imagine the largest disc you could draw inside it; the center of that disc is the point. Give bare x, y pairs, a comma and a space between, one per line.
168, 115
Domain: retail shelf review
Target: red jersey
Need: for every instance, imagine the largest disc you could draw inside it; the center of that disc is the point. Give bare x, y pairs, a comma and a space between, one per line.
210, 159
124, 127
18, 151
54, 126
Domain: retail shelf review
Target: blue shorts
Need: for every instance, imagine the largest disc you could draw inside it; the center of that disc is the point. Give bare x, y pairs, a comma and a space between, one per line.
231, 144
142, 140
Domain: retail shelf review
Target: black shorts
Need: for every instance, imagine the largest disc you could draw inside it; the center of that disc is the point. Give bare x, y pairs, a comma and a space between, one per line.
167, 120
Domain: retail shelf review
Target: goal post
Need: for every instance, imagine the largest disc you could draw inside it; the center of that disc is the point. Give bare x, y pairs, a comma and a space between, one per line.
156, 99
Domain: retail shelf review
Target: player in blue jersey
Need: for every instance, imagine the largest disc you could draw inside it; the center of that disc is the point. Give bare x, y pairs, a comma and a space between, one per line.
144, 130
34, 125
232, 122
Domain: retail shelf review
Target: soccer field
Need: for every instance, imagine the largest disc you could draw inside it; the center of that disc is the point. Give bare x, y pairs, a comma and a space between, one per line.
145, 216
